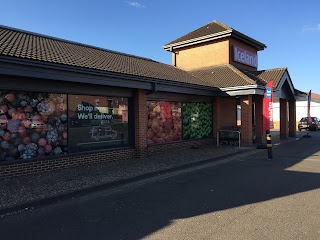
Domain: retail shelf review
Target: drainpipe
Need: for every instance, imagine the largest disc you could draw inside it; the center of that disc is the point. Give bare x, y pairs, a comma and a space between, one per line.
174, 57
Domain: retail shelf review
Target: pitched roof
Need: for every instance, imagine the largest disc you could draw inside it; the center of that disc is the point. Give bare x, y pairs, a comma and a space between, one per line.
208, 29
26, 45
211, 31
31, 46
225, 76
274, 74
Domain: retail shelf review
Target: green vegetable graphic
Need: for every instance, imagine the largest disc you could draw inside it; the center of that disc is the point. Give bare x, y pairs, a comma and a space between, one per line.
197, 120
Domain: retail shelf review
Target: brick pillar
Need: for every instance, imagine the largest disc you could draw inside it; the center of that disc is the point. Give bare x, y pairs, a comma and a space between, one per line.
283, 118
214, 119
226, 112
292, 118
216, 116
246, 120
141, 120
259, 118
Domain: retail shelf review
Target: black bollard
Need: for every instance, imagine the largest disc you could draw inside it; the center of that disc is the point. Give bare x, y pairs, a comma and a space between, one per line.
269, 145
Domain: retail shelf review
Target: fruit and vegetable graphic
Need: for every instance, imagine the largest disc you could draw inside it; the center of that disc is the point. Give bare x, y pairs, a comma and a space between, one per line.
31, 125
164, 122
197, 120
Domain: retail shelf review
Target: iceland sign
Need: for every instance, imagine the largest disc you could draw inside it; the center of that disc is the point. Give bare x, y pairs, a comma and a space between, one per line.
245, 57
268, 107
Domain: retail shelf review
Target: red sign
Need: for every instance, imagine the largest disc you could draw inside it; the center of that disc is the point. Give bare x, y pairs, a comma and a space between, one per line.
268, 107
309, 101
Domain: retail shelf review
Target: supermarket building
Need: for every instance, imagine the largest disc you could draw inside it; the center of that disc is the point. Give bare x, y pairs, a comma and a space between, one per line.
65, 104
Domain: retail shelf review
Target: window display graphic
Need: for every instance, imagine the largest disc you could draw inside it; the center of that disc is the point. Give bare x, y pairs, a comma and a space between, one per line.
32, 124
197, 120
164, 122
98, 133
97, 122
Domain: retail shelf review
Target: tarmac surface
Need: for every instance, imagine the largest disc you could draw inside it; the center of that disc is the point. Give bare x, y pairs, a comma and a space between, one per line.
25, 192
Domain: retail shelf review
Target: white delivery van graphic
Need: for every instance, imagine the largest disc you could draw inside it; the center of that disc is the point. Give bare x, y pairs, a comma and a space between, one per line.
99, 132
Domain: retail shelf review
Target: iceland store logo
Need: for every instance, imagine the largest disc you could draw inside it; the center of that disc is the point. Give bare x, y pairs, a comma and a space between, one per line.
268, 93
245, 57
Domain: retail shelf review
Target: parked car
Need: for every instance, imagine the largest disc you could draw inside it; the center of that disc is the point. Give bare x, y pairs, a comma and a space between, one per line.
314, 125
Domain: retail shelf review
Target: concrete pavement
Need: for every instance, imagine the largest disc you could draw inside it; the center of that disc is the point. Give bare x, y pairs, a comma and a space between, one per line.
248, 197
43, 188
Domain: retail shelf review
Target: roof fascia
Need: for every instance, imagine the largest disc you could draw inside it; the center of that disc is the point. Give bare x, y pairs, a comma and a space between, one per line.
301, 97
194, 41
228, 33
244, 90
258, 45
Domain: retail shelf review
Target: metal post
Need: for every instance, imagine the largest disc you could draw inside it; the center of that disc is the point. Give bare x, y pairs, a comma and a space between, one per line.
269, 145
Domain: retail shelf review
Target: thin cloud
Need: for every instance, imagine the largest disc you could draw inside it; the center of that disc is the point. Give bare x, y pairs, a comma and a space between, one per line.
135, 4
309, 28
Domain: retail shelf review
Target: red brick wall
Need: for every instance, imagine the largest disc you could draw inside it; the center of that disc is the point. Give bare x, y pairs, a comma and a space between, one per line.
47, 165
71, 161
283, 118
178, 145
292, 118
203, 55
141, 120
258, 118
246, 120
211, 53
225, 113
214, 119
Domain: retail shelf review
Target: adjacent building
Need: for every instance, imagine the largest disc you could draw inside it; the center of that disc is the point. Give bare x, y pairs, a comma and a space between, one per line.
301, 108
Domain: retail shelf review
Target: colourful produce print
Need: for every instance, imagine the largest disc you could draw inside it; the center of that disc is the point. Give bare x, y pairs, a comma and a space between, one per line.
164, 122
32, 125
197, 120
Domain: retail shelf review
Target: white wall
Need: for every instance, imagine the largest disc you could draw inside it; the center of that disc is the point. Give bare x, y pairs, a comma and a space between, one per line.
301, 110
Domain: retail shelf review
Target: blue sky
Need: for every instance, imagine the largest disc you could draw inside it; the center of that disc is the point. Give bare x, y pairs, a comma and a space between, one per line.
290, 29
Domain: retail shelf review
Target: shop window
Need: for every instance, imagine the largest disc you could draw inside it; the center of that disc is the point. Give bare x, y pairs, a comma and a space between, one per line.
32, 125
197, 120
164, 122
97, 122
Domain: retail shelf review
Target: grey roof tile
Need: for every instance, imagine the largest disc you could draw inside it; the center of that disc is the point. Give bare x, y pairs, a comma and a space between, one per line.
268, 75
208, 29
211, 31
225, 76
26, 45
